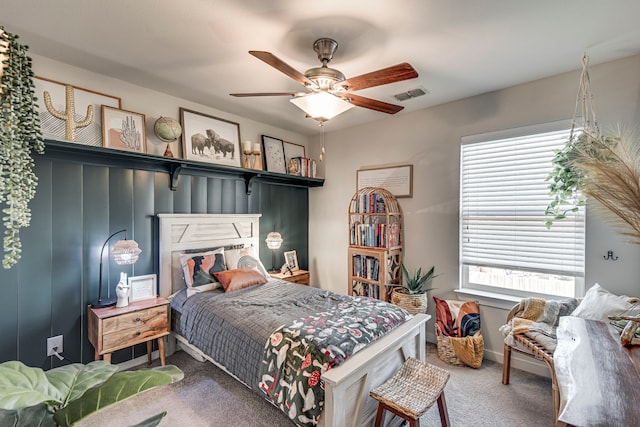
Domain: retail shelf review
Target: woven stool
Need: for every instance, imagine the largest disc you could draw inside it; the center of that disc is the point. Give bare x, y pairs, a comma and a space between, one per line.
412, 391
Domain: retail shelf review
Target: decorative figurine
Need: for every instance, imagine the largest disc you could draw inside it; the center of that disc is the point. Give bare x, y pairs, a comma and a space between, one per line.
122, 291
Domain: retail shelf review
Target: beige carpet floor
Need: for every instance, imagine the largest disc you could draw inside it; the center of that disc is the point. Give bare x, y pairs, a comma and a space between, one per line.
208, 397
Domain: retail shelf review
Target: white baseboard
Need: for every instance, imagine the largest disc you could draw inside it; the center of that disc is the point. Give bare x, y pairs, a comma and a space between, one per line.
521, 362
518, 361
137, 361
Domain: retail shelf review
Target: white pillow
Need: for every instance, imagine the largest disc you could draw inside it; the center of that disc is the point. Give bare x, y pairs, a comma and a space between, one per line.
599, 303
245, 257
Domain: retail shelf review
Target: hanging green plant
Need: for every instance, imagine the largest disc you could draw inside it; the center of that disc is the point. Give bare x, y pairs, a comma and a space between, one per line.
567, 179
19, 135
564, 182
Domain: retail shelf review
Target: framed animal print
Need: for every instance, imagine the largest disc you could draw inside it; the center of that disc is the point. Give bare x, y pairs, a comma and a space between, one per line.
209, 139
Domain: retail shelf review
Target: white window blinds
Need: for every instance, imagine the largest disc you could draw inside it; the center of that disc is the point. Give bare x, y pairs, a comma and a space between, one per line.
503, 198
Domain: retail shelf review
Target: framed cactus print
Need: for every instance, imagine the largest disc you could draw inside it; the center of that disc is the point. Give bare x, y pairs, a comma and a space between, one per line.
70, 113
123, 130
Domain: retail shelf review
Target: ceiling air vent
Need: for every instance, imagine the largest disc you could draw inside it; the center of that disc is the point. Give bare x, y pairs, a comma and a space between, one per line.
413, 93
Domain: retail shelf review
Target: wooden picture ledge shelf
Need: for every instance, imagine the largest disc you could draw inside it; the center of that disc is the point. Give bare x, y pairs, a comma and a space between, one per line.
174, 167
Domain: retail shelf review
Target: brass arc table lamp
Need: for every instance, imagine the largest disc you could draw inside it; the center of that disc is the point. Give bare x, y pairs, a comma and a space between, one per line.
124, 252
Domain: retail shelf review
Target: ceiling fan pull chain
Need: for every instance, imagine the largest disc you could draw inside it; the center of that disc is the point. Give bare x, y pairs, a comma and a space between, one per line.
322, 138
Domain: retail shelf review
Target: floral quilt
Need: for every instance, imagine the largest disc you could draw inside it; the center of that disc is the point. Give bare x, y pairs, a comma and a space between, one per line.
296, 355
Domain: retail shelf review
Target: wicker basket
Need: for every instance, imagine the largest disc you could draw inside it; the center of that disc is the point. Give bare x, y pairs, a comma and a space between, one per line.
414, 304
445, 351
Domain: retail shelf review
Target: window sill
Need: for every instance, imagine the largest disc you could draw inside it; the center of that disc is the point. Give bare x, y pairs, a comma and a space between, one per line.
489, 299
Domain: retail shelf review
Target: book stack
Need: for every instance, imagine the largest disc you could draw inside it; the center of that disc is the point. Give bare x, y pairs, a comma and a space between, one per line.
302, 166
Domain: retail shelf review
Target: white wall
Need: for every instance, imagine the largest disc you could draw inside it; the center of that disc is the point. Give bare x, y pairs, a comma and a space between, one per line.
154, 104
430, 140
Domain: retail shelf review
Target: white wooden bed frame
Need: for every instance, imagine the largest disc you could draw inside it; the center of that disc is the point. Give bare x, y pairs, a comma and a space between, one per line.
347, 401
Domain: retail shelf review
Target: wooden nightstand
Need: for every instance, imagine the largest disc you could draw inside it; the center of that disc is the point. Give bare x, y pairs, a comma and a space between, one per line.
113, 328
299, 276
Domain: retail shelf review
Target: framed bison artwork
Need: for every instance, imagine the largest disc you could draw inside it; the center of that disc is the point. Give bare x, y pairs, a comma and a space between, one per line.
209, 139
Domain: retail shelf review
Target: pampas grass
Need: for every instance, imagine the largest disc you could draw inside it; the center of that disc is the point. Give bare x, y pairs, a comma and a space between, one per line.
610, 174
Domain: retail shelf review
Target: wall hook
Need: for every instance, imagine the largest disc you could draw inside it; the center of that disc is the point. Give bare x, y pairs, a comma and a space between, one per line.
610, 256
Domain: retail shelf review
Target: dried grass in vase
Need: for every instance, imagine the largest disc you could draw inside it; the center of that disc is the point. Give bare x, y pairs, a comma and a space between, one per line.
610, 170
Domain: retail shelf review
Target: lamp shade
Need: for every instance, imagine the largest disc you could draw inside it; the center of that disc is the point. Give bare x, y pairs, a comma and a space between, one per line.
273, 240
321, 105
125, 252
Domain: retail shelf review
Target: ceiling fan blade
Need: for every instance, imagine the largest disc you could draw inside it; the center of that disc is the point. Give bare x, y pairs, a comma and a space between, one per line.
268, 94
281, 66
385, 76
372, 104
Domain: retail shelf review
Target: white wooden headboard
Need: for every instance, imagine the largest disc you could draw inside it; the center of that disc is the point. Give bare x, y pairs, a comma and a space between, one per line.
183, 232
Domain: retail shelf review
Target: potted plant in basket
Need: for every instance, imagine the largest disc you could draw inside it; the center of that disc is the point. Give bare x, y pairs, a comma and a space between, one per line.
411, 294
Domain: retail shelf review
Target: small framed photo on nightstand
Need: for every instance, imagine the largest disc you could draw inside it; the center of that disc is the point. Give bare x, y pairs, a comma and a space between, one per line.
142, 287
292, 260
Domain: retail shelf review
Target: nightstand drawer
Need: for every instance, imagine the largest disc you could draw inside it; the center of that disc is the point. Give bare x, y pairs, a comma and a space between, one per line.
302, 279
140, 320
299, 276
131, 336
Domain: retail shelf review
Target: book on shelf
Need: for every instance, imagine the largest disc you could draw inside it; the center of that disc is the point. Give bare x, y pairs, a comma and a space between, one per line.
370, 203
365, 290
302, 166
367, 267
374, 235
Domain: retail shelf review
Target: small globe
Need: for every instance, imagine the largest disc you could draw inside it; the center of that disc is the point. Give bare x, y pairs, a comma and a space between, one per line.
167, 129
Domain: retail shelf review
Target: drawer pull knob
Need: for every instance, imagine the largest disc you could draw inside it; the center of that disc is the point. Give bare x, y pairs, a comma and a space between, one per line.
137, 333
137, 319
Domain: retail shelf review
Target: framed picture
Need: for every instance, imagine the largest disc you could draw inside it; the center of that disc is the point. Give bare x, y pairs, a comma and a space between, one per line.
273, 149
142, 287
209, 139
396, 179
292, 150
123, 130
58, 95
292, 260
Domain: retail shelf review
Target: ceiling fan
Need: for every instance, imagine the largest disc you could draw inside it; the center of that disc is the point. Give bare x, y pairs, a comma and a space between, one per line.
331, 84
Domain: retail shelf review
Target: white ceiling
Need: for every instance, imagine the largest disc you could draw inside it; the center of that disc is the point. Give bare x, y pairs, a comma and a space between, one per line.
197, 49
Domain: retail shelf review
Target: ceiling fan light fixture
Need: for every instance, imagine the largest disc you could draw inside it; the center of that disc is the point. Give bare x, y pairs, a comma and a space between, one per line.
321, 105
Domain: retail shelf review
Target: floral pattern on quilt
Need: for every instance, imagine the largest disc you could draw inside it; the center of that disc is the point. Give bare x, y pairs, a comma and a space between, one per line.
297, 355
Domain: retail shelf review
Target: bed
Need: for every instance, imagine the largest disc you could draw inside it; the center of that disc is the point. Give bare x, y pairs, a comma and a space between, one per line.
346, 387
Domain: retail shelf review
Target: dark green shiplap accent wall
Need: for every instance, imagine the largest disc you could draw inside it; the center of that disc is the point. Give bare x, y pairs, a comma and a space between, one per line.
76, 207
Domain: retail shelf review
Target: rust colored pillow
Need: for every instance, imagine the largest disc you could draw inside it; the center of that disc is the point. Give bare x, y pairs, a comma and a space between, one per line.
232, 280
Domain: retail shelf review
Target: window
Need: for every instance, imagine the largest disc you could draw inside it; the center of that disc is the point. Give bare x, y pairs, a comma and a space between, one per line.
505, 246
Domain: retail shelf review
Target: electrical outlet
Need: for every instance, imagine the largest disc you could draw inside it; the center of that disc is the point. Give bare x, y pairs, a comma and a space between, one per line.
54, 343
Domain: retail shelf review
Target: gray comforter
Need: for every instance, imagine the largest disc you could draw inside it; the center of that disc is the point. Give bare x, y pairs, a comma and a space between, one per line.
233, 328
